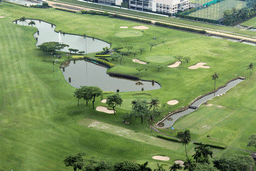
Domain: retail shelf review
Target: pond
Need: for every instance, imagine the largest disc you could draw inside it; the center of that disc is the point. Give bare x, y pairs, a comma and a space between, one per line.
84, 73
47, 34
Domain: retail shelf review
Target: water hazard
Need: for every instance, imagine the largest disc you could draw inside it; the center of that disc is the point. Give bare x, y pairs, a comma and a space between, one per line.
84, 73
169, 121
47, 34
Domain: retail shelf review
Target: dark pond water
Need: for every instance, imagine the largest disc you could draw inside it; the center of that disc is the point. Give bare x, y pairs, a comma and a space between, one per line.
171, 120
47, 34
85, 73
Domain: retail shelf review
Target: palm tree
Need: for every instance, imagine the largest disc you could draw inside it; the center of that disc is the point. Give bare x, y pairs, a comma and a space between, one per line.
214, 77
189, 164
250, 67
179, 58
78, 94
139, 83
175, 167
160, 167
186, 138
32, 23
96, 92
202, 154
141, 50
22, 19
151, 46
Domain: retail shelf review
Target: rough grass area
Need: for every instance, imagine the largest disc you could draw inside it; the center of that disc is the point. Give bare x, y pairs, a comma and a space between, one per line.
128, 33
251, 22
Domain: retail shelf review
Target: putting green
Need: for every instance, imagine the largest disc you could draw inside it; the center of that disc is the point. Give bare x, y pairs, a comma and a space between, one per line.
129, 34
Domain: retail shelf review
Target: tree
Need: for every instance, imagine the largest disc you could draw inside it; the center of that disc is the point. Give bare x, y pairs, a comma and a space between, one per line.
96, 92
81, 52
126, 166
115, 56
140, 69
179, 58
154, 103
140, 108
202, 154
45, 4
250, 67
114, 100
73, 50
160, 167
32, 23
233, 163
129, 48
78, 94
76, 161
186, 138
52, 46
86, 93
151, 46
158, 67
175, 167
204, 167
141, 50
143, 167
214, 77
22, 19
252, 141
106, 50
187, 59
189, 164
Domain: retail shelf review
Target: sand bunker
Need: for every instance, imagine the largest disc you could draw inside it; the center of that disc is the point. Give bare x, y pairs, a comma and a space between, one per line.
179, 162
198, 65
140, 27
176, 64
103, 101
163, 158
123, 27
138, 61
1, 16
172, 102
104, 109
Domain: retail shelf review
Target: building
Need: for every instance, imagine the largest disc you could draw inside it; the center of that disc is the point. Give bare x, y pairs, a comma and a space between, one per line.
160, 6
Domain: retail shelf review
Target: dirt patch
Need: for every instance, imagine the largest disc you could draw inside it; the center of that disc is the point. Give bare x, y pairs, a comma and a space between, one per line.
209, 105
172, 102
179, 162
140, 27
163, 158
176, 64
103, 101
104, 109
138, 61
124, 27
1, 16
198, 65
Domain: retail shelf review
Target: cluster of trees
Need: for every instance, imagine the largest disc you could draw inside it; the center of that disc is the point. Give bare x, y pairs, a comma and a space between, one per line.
52, 47
233, 15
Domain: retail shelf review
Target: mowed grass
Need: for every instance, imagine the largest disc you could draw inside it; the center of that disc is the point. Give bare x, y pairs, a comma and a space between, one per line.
40, 116
251, 22
36, 132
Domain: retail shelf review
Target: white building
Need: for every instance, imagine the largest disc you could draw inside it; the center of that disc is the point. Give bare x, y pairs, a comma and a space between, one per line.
161, 6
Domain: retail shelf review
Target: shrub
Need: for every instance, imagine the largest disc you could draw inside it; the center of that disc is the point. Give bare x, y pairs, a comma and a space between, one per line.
105, 63
211, 145
66, 10
168, 138
106, 56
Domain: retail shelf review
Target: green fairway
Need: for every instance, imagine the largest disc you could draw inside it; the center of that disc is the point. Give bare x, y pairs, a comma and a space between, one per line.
251, 22
41, 122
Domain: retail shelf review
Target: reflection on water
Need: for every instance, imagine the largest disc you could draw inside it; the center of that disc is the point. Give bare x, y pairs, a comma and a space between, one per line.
85, 73
47, 34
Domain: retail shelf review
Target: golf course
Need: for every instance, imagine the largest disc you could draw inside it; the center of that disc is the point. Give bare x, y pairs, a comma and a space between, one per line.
41, 122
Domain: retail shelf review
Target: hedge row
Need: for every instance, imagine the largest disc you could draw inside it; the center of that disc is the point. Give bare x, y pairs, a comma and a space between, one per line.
181, 28
131, 18
211, 145
109, 64
168, 138
66, 10
106, 56
123, 76
199, 19
94, 12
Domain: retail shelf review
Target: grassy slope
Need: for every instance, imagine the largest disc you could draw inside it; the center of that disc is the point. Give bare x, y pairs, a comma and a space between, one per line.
251, 22
46, 116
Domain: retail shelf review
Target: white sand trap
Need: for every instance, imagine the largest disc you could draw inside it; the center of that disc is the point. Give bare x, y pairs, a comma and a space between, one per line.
140, 27
103, 101
138, 61
1, 16
163, 158
172, 102
179, 162
123, 27
209, 105
176, 64
198, 65
104, 109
